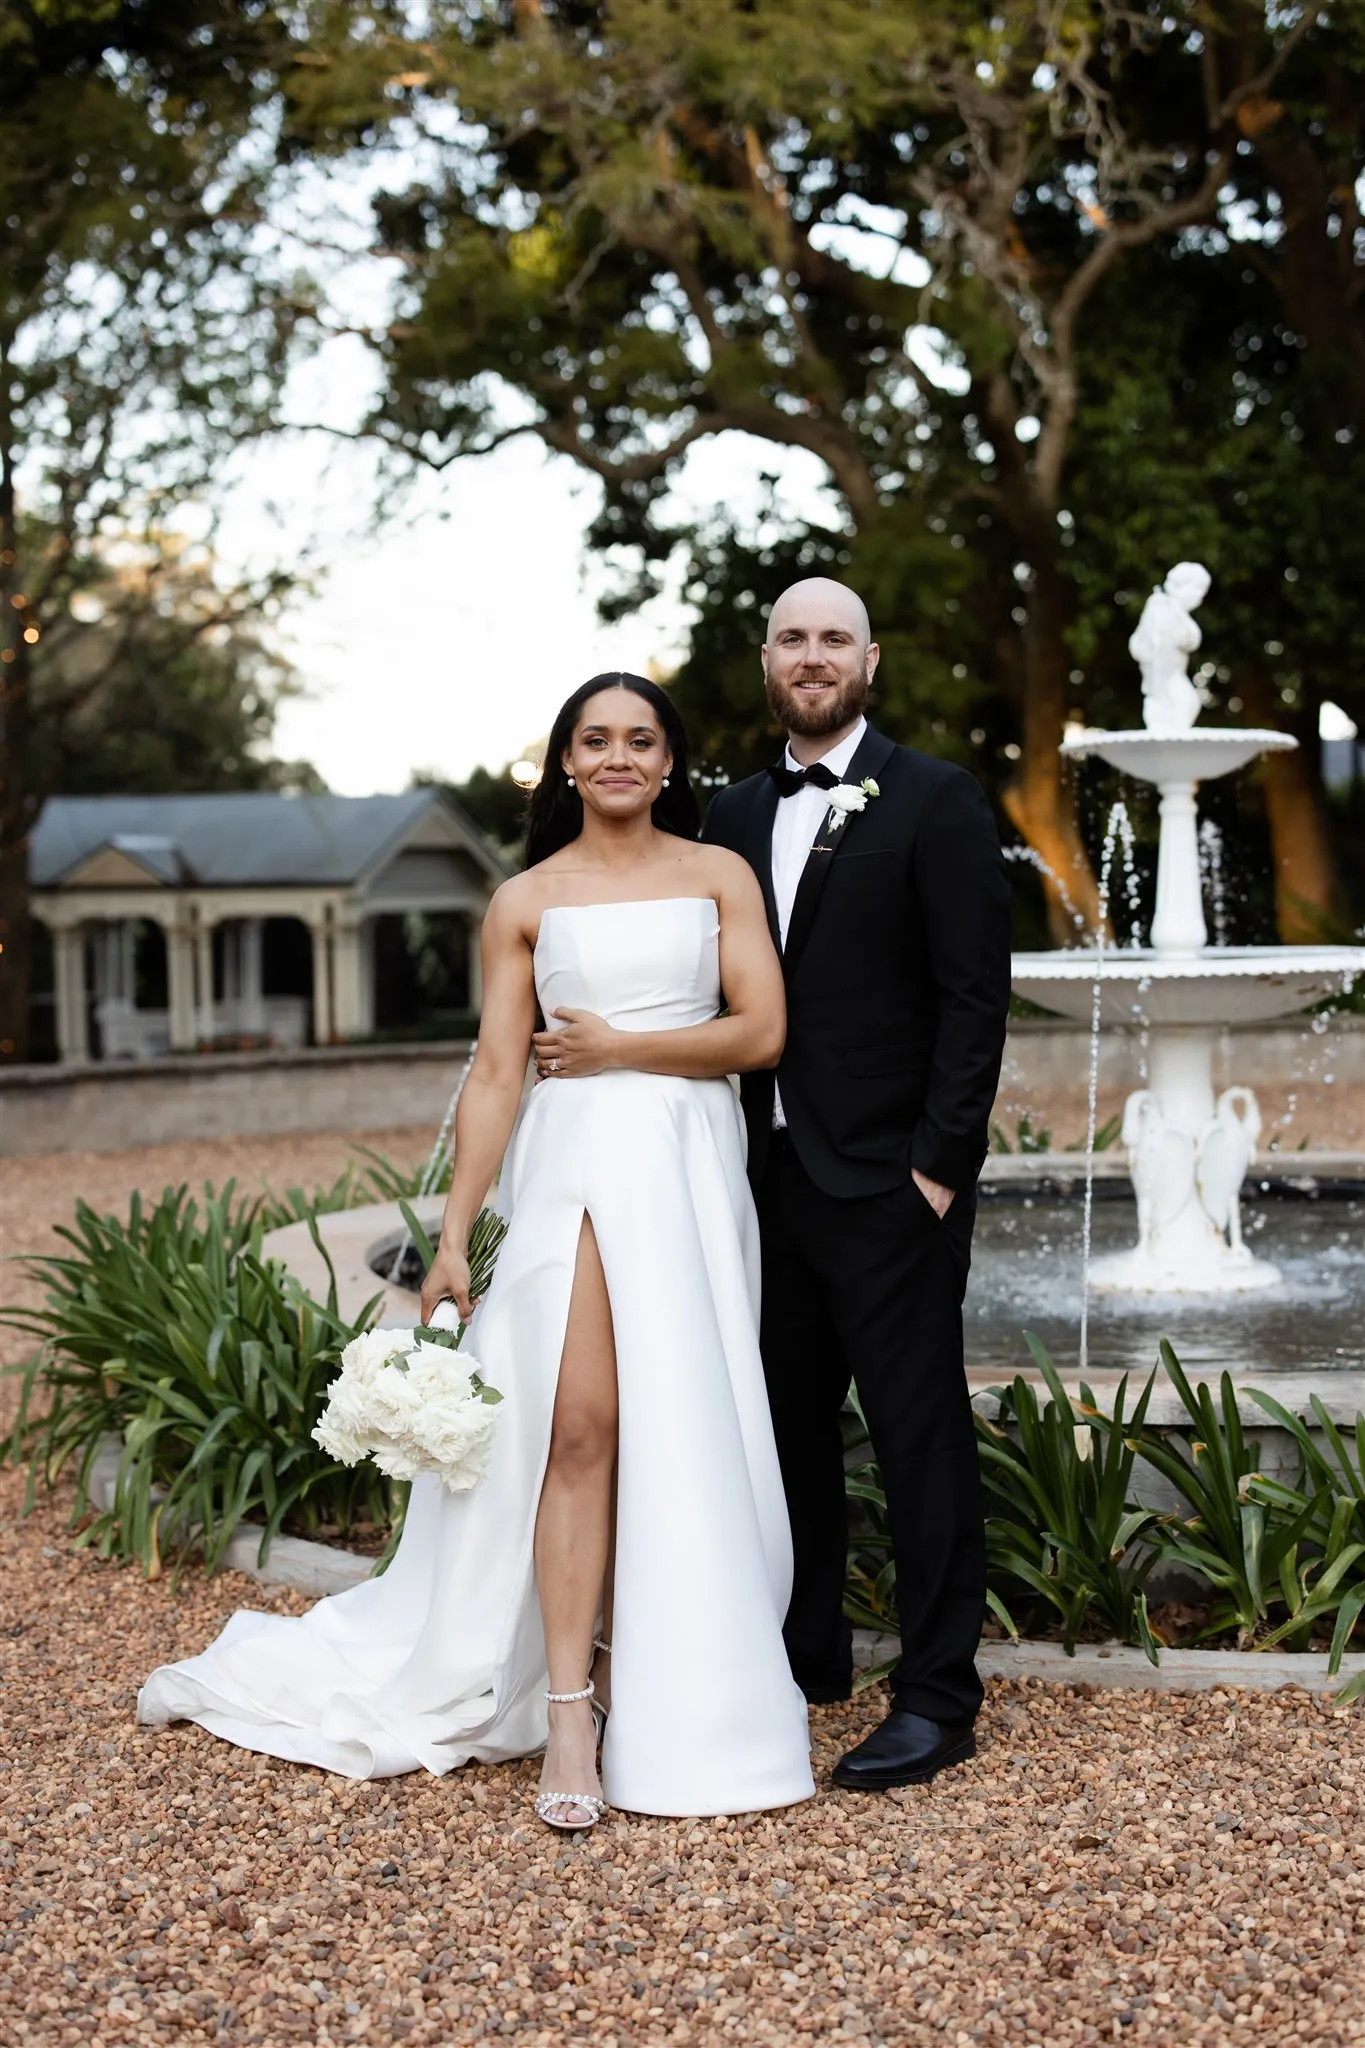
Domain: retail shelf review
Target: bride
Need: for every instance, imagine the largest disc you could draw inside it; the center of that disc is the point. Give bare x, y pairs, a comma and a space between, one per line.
628, 1548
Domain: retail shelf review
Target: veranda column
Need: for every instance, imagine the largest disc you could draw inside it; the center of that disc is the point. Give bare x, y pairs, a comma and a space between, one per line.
73, 1022
180, 980
253, 984
322, 981
476, 961
346, 961
367, 989
203, 966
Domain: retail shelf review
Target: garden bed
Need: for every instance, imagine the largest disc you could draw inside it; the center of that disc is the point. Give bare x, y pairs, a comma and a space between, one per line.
313, 1567
185, 1337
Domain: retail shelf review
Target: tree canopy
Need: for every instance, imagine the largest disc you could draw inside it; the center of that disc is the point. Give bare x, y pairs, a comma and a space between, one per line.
144, 329
643, 222
155, 679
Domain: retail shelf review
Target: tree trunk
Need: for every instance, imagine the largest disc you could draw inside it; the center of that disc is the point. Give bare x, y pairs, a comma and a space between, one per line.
1316, 272
1309, 906
1040, 802
16, 809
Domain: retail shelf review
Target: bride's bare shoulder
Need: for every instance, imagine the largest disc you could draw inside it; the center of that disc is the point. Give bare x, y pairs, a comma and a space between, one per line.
720, 872
516, 905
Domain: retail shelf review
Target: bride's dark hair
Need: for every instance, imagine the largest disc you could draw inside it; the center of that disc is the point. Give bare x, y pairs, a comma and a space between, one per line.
555, 813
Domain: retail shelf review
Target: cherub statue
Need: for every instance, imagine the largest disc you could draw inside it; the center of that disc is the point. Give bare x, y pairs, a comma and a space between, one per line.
1165, 638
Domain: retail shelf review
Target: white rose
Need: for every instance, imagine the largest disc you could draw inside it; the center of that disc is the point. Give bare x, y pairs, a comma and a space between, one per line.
366, 1354
847, 796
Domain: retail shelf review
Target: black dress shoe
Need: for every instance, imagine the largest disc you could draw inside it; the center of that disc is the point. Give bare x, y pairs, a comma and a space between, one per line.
907, 1749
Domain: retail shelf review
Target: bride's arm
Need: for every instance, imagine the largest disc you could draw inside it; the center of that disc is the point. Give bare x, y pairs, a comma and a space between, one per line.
491, 1097
750, 1035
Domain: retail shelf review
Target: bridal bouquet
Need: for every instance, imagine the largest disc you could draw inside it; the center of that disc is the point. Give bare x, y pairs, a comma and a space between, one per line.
410, 1401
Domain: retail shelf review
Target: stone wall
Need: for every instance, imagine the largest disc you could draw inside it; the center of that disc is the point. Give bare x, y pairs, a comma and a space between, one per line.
1310, 1083
109, 1107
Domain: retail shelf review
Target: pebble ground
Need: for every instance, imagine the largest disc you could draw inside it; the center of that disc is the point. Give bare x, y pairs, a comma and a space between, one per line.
1162, 1869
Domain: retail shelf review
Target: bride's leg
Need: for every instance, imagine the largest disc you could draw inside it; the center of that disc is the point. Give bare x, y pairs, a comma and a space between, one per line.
601, 1663
573, 1519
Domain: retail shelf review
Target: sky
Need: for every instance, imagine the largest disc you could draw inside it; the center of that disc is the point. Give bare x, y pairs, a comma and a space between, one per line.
449, 635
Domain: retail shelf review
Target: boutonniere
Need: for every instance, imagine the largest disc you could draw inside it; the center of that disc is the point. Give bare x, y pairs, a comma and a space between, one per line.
850, 796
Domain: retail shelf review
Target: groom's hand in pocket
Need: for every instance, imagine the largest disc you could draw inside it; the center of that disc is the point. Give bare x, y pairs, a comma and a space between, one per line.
939, 1198
578, 1046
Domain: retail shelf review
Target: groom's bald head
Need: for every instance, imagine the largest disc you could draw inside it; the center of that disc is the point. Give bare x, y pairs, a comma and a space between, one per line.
819, 658
819, 600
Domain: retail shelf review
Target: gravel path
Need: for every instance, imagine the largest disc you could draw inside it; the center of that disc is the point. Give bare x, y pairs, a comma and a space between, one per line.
1163, 1871
1167, 1870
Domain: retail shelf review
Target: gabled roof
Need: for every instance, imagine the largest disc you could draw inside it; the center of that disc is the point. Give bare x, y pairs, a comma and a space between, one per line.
130, 858
251, 839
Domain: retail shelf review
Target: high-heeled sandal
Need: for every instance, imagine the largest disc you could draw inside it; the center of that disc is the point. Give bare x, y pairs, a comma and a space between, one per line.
588, 1802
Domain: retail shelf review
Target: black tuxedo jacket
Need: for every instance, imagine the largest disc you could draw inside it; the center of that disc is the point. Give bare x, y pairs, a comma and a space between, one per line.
897, 966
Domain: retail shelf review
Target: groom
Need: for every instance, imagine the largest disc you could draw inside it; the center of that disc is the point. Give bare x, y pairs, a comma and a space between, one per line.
888, 899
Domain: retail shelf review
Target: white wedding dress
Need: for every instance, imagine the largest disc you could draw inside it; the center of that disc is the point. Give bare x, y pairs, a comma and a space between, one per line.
442, 1659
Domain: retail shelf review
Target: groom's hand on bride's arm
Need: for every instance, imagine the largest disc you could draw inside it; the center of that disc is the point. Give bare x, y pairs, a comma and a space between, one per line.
578, 1046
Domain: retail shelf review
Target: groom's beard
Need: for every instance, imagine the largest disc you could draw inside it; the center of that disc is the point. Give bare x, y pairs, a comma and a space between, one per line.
798, 714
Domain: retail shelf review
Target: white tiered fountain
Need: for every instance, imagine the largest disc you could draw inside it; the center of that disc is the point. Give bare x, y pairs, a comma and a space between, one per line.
1188, 1153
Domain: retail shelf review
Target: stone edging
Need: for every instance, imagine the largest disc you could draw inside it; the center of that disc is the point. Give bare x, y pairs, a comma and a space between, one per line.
318, 1568
1121, 1668
293, 1560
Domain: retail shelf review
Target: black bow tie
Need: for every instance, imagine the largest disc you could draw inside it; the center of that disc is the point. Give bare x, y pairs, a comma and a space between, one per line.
790, 780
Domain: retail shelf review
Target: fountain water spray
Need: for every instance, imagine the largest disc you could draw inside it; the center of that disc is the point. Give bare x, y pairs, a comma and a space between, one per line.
436, 1158
1034, 859
1211, 870
1118, 831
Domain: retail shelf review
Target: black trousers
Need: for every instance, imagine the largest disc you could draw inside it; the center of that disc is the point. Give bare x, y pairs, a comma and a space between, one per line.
869, 1290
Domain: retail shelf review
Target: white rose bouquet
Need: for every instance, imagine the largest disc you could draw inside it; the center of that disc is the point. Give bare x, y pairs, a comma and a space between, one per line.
412, 1402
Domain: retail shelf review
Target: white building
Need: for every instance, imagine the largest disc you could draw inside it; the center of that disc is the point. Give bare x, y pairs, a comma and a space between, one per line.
229, 884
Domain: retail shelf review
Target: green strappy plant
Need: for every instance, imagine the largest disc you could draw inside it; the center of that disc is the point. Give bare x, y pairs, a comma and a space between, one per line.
1282, 1560
1061, 1528
173, 1334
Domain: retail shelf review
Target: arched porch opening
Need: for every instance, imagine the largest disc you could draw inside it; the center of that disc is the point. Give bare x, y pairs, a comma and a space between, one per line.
423, 979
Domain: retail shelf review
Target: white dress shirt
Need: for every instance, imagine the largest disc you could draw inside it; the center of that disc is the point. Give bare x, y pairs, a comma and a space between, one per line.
795, 825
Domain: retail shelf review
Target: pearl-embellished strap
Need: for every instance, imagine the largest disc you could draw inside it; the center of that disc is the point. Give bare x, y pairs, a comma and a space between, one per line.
547, 1801
563, 1697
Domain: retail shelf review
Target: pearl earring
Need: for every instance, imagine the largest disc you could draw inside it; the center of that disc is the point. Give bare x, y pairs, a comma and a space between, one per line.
571, 782
665, 782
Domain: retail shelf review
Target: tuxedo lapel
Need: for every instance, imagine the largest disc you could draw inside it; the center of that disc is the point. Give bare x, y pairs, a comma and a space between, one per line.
873, 752
758, 849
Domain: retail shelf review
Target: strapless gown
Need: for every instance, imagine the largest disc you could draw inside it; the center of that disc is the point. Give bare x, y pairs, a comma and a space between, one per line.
442, 1660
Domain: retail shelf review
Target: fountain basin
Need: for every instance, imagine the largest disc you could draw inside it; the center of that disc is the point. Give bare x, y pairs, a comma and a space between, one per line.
351, 1238
1201, 754
1305, 1335
1222, 985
